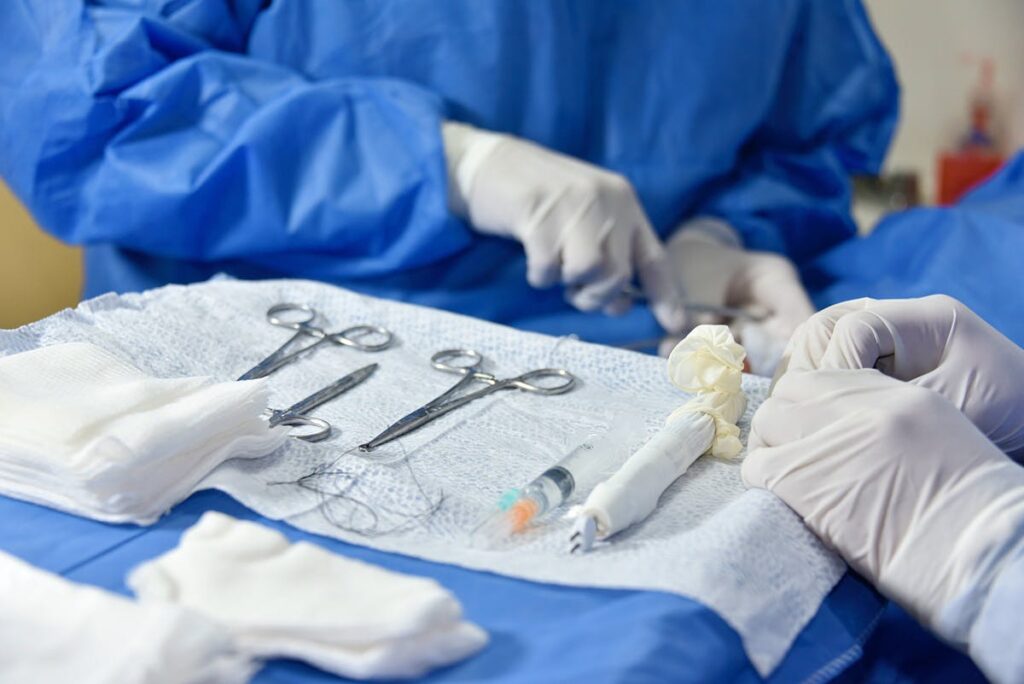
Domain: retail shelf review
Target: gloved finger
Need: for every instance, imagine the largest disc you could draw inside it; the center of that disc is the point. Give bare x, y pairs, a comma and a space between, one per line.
542, 240
780, 421
594, 296
765, 467
584, 258
859, 340
764, 347
911, 336
822, 386
658, 281
615, 274
772, 282
619, 305
791, 307
608, 280
543, 263
667, 344
810, 340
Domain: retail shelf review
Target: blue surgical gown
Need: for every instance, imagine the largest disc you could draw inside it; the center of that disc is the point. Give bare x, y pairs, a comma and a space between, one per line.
972, 251
300, 138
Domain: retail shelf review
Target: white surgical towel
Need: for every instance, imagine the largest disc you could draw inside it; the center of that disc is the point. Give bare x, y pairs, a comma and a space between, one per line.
300, 601
54, 631
86, 432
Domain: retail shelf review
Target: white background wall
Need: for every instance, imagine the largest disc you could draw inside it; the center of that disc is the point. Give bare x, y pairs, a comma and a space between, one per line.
936, 45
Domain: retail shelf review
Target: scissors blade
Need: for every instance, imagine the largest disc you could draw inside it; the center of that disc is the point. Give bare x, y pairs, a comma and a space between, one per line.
435, 409
333, 390
281, 356
400, 427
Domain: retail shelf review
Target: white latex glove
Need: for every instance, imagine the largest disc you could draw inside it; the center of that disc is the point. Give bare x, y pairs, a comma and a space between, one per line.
934, 342
715, 269
579, 224
897, 480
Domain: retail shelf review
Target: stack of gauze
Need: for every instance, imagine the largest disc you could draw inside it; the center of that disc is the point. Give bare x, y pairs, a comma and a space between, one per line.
297, 600
85, 432
708, 363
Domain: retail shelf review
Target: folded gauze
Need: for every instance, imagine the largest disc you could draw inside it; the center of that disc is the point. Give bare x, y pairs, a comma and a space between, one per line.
85, 432
54, 631
300, 601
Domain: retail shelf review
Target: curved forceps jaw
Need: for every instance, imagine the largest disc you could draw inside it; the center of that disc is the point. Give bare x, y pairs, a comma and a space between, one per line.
323, 428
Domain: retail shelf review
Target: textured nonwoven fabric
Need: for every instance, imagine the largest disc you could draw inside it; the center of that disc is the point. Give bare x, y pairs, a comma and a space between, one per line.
742, 553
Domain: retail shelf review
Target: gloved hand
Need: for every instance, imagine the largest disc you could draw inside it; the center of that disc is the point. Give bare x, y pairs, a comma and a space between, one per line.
899, 482
934, 342
715, 269
578, 223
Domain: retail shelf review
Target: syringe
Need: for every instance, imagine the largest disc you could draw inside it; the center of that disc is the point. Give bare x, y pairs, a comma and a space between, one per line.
579, 471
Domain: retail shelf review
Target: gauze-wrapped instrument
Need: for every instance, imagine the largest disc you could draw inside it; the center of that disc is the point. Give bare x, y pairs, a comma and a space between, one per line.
709, 363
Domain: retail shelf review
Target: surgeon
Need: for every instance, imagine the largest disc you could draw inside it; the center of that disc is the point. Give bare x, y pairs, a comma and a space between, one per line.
896, 431
524, 162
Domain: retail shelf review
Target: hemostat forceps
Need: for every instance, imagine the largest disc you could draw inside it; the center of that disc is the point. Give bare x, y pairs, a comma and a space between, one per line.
467, 363
300, 317
295, 416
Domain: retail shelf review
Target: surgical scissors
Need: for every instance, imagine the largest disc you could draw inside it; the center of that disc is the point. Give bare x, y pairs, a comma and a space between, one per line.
296, 415
467, 362
300, 317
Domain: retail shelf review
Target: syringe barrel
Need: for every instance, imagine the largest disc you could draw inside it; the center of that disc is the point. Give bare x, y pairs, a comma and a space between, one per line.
551, 488
597, 457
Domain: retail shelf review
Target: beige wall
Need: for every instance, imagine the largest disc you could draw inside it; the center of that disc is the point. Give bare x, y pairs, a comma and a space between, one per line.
38, 274
936, 46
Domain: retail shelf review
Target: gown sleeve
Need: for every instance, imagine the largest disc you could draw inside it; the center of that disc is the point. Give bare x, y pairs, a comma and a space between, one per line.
834, 113
144, 124
996, 639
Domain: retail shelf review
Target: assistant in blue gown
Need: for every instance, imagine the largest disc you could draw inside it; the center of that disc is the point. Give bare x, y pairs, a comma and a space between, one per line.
301, 138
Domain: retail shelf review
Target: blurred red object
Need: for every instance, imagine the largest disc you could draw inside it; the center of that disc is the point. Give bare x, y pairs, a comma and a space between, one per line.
977, 156
961, 171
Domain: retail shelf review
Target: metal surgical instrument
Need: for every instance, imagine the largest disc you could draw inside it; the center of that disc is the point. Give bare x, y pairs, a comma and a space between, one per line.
296, 415
467, 363
300, 317
752, 313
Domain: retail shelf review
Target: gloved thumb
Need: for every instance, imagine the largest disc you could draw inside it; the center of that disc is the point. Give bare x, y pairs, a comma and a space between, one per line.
660, 283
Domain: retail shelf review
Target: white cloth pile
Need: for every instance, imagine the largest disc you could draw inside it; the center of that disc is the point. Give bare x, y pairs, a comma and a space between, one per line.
53, 631
280, 599
85, 432
230, 595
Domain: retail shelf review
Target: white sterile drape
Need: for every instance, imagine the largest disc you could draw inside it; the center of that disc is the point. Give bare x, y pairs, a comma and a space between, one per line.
422, 494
